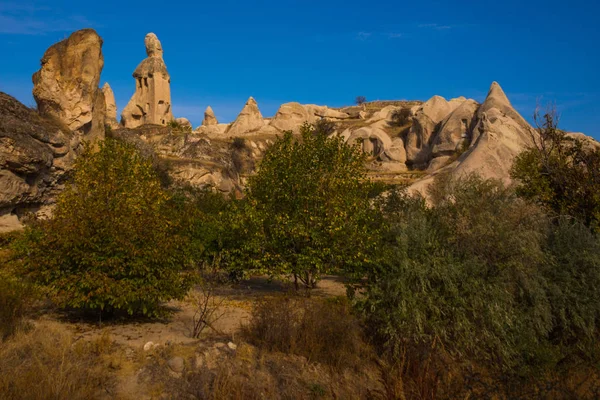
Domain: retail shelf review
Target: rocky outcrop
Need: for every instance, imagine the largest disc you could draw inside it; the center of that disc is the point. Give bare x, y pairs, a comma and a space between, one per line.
290, 117
425, 119
66, 86
151, 102
455, 130
184, 123
209, 117
498, 135
249, 120
111, 107
35, 154
326, 112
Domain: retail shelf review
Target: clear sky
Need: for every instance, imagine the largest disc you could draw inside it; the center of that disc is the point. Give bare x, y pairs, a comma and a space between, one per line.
328, 52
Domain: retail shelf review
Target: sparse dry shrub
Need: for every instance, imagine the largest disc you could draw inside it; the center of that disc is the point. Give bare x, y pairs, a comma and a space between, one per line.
323, 331
251, 373
47, 363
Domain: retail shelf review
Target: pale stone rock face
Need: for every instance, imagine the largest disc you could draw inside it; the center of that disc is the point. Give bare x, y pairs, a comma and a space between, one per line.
384, 114
111, 106
249, 120
499, 134
326, 112
290, 116
425, 119
373, 141
66, 86
455, 130
151, 102
209, 117
396, 152
153, 46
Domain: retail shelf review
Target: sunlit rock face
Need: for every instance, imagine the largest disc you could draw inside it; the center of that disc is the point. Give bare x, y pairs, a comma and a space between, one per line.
66, 86
151, 102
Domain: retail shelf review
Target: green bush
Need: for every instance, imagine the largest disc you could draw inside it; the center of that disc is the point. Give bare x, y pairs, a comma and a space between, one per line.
110, 244
309, 207
560, 173
484, 277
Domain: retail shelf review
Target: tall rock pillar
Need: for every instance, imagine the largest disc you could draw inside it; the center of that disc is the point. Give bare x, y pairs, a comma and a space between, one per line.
151, 102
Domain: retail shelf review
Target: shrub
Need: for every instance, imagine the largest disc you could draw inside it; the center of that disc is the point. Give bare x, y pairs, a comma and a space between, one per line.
323, 331
560, 173
239, 144
360, 100
466, 268
110, 244
401, 117
323, 127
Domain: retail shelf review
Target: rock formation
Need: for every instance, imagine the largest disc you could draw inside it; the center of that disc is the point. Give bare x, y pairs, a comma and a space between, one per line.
209, 117
249, 120
66, 86
498, 134
184, 123
151, 102
290, 116
111, 107
35, 153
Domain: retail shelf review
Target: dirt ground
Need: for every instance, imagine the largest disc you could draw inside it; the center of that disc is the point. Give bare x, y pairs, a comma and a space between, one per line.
235, 300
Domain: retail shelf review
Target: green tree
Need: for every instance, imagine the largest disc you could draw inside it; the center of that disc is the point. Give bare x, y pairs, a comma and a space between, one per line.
310, 205
560, 173
110, 244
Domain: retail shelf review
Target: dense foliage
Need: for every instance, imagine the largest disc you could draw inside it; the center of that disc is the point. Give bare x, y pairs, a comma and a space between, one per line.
110, 244
483, 276
561, 173
309, 208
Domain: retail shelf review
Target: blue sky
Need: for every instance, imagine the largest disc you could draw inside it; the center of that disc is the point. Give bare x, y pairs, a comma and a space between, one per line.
328, 52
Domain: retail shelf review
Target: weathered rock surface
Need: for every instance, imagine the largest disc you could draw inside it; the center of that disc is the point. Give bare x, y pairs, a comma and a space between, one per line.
209, 117
425, 119
455, 130
151, 102
249, 120
35, 154
66, 86
290, 116
111, 106
498, 136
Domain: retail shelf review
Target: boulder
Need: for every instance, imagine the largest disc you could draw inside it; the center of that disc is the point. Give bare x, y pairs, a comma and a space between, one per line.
384, 114
290, 116
209, 117
66, 86
151, 102
111, 106
184, 123
325, 112
249, 120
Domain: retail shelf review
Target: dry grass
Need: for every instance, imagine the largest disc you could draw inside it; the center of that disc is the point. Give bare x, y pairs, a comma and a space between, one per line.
47, 363
322, 331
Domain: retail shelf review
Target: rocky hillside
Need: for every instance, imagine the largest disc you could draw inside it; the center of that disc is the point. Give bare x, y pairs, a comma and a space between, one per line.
406, 141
